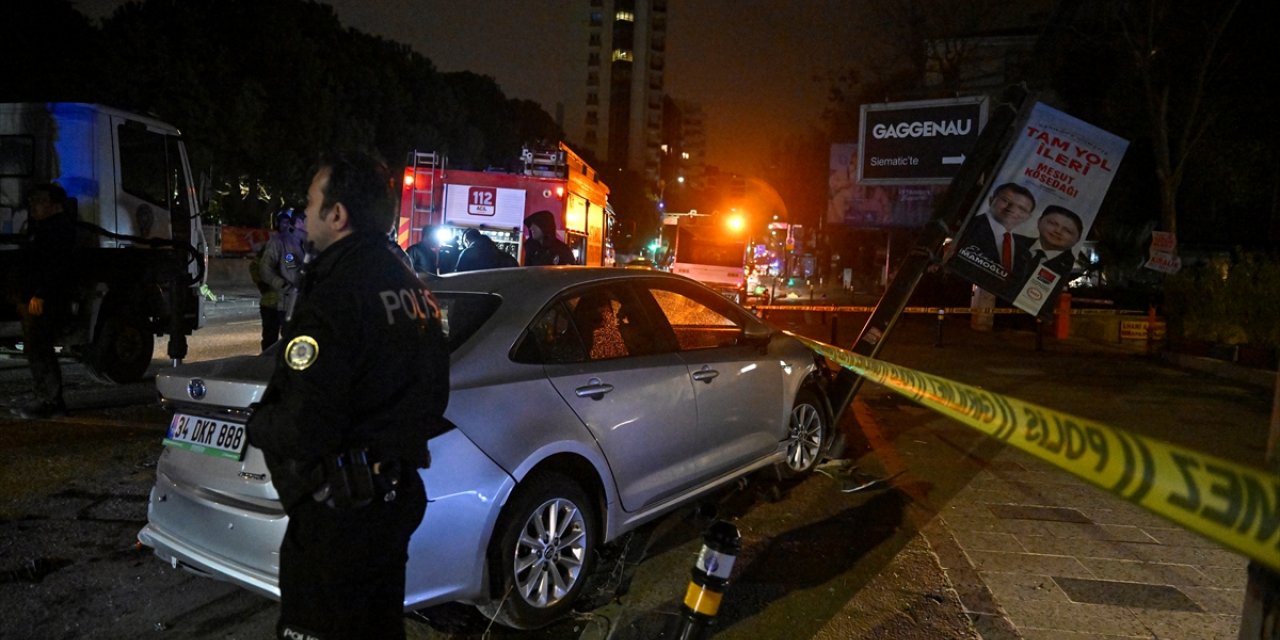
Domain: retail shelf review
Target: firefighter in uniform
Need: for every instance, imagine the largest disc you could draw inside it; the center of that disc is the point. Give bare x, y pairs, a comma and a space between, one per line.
360, 387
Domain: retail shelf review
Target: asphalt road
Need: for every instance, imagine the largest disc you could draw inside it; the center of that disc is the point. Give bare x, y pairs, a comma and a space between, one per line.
818, 561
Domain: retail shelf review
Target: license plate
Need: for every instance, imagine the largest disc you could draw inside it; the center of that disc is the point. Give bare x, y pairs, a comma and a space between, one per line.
209, 436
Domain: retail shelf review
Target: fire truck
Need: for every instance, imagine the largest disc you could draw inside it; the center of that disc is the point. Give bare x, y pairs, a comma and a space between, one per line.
447, 202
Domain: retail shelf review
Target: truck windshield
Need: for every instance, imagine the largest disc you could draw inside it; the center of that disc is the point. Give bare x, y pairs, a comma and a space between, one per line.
703, 246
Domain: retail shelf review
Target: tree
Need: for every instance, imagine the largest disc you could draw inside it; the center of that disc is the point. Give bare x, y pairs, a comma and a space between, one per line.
1178, 52
261, 87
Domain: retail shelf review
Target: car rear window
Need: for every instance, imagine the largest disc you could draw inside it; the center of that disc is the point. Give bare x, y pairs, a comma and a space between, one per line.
463, 314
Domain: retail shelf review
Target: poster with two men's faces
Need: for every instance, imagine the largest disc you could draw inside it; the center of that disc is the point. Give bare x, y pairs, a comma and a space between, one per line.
1024, 240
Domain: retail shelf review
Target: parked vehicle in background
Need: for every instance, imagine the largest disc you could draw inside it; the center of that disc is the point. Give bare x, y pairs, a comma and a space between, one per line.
587, 401
140, 257
436, 198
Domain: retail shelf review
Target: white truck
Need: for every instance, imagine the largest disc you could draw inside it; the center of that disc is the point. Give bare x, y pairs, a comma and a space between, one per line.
140, 257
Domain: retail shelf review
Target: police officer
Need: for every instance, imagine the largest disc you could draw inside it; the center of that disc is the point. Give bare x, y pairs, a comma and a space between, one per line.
279, 271
359, 388
46, 277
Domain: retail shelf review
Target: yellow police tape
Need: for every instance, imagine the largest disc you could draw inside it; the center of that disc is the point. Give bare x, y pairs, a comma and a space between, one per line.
1235, 505
827, 308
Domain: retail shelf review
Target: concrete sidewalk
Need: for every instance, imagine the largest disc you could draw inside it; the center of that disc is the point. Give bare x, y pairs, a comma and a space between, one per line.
1035, 552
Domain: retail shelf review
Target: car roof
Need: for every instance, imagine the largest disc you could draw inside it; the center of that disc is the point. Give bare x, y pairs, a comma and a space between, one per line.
539, 284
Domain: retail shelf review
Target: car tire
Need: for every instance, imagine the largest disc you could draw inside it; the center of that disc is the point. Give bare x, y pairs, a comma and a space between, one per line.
808, 435
542, 551
121, 350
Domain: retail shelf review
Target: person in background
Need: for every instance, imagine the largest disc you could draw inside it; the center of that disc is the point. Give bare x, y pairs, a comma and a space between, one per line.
543, 247
480, 252
47, 275
280, 272
422, 255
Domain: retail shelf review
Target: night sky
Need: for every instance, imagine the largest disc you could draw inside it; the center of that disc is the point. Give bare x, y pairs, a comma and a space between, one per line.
752, 65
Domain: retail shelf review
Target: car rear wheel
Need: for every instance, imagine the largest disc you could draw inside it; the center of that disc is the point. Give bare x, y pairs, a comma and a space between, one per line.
808, 434
542, 551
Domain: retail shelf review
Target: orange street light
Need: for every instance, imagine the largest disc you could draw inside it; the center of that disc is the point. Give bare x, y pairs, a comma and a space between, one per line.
736, 223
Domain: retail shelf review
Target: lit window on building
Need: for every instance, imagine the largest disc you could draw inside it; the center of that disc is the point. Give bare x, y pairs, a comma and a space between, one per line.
624, 16
622, 55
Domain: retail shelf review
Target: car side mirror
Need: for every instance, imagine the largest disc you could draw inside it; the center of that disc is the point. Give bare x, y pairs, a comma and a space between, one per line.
758, 334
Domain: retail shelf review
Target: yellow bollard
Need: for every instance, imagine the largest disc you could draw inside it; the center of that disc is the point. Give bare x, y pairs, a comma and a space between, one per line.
710, 578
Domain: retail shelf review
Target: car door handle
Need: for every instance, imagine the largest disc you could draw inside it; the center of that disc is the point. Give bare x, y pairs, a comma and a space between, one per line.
706, 374
594, 389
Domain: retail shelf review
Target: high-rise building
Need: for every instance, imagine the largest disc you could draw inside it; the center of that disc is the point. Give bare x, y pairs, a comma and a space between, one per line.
615, 111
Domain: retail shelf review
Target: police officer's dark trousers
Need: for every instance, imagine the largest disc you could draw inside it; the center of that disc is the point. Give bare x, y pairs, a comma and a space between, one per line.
342, 571
39, 335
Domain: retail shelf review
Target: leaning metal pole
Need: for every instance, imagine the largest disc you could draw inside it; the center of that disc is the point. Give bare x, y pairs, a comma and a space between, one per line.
959, 200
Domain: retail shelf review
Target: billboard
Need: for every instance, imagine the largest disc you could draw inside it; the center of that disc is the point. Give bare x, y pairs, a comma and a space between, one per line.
862, 206
920, 142
1043, 200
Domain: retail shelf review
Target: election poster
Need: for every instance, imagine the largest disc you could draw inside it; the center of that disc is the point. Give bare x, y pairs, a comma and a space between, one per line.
859, 206
1023, 241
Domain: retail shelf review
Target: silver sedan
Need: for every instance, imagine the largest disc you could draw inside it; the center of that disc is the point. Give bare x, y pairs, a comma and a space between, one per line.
587, 401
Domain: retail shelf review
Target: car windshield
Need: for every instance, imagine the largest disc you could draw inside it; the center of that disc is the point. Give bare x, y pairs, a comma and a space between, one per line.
463, 313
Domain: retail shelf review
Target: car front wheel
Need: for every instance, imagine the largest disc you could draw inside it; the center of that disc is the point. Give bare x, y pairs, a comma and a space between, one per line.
808, 434
542, 551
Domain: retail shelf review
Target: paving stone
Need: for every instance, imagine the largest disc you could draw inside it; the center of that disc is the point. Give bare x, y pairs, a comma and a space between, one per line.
1008, 587
972, 591
1225, 577
1078, 547
985, 561
993, 627
1200, 626
1127, 594
1179, 537
1057, 634
1033, 512
1077, 618
989, 541
1217, 601
1144, 572
1197, 556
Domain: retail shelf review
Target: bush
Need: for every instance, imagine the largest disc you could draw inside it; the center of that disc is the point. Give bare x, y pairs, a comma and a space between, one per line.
1231, 301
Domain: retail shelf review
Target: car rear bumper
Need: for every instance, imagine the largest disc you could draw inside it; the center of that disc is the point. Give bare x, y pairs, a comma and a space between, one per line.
466, 490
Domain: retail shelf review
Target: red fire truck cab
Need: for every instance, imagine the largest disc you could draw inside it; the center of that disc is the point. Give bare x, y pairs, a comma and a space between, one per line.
446, 202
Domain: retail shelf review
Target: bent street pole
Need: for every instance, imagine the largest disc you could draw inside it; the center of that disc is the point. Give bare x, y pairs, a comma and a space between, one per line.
961, 197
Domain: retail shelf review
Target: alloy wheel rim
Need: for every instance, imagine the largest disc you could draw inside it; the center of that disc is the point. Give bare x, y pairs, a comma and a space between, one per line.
806, 437
550, 553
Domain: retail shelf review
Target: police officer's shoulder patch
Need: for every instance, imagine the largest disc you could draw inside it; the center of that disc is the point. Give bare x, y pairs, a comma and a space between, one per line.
301, 352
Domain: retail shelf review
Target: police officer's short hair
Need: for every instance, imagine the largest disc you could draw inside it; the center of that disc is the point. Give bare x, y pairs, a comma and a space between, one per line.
363, 185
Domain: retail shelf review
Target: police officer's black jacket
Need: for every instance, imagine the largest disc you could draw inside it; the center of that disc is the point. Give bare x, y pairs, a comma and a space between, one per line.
47, 261
364, 365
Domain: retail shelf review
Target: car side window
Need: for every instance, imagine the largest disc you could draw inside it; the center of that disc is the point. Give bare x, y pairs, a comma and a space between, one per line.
553, 338
597, 324
696, 325
613, 323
